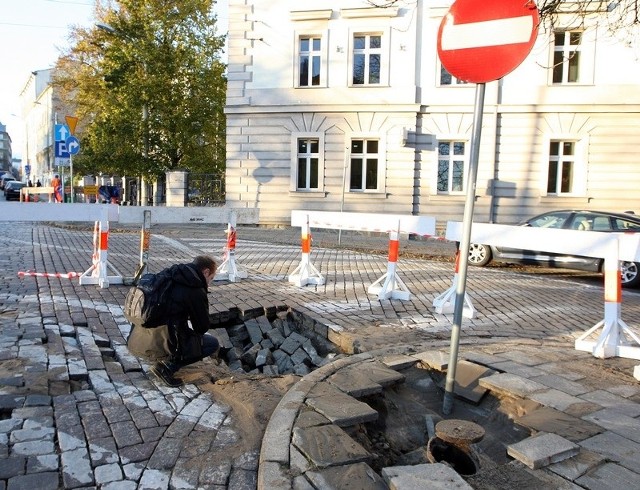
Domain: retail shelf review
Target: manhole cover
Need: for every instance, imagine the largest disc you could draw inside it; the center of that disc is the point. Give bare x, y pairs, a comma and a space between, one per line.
457, 432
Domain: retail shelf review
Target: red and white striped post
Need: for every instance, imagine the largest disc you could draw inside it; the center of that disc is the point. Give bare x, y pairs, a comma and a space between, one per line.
392, 286
97, 273
228, 270
445, 303
616, 338
306, 273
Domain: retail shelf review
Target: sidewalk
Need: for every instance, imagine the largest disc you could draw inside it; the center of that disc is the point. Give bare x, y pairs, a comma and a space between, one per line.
79, 412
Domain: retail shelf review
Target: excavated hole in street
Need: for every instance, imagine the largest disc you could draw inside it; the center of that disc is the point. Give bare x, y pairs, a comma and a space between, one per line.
400, 435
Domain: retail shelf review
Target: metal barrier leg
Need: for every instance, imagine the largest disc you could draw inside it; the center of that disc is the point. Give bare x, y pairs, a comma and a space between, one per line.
392, 287
228, 270
616, 338
444, 303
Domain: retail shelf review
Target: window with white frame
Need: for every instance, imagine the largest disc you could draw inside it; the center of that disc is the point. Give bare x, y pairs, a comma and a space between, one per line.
561, 175
452, 166
367, 59
447, 79
567, 51
308, 168
366, 169
307, 162
309, 61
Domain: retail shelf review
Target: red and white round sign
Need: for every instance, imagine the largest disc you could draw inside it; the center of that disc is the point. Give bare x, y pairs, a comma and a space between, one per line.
480, 42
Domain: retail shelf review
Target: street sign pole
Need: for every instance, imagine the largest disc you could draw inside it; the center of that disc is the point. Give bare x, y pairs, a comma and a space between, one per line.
479, 43
467, 220
71, 177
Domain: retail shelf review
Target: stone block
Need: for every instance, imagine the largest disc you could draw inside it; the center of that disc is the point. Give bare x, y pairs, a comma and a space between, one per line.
255, 333
357, 476
542, 450
418, 477
290, 344
263, 357
328, 445
276, 337
249, 357
338, 407
511, 385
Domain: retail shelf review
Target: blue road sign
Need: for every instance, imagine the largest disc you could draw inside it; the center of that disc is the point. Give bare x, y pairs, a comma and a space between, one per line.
62, 132
61, 150
73, 145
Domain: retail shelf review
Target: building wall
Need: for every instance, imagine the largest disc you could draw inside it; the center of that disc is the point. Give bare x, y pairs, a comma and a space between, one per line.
411, 112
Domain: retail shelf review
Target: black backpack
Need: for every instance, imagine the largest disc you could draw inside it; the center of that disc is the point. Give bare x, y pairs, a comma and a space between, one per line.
147, 303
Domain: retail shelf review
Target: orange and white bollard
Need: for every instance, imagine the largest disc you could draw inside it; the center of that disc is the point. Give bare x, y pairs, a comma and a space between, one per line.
392, 286
228, 270
616, 338
97, 273
306, 273
445, 303
145, 240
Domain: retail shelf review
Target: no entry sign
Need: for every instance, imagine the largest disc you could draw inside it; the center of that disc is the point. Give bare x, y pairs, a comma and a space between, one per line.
480, 42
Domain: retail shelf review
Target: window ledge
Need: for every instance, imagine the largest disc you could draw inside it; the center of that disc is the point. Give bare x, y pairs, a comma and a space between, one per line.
324, 14
367, 12
366, 195
302, 193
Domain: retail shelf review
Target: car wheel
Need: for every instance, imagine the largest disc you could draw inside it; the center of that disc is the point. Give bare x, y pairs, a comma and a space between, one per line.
630, 274
479, 255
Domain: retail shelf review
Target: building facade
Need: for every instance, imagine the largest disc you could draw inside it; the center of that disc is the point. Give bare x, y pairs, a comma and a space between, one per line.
347, 107
6, 153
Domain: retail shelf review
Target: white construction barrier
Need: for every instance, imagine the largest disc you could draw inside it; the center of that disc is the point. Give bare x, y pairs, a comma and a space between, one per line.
616, 338
102, 214
392, 286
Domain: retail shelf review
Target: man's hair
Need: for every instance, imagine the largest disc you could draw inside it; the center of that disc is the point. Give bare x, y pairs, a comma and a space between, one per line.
205, 262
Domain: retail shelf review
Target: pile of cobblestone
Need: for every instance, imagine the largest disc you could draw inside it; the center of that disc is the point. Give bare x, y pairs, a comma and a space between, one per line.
281, 343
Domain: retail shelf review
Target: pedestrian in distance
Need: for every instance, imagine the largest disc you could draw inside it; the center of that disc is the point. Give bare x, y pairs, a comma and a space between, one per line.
29, 183
183, 340
56, 183
38, 183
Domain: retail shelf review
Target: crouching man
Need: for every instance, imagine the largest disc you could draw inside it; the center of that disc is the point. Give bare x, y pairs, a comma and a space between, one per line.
184, 339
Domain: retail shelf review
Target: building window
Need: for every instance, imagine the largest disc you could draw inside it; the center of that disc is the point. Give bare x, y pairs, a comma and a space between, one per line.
367, 59
561, 177
366, 167
566, 56
308, 170
447, 79
307, 162
452, 162
309, 61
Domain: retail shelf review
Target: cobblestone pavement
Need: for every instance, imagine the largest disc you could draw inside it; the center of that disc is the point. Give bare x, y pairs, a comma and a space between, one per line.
77, 411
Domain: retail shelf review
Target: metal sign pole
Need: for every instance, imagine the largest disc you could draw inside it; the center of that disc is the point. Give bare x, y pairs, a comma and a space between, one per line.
447, 406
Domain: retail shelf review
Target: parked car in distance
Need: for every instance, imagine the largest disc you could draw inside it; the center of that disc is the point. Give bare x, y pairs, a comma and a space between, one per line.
4, 179
600, 221
12, 190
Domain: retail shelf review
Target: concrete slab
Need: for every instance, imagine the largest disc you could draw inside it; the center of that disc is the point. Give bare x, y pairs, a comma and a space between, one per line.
575, 467
437, 476
468, 375
357, 476
636, 372
433, 359
610, 475
338, 407
547, 419
615, 448
399, 362
511, 385
355, 382
542, 450
617, 422
328, 446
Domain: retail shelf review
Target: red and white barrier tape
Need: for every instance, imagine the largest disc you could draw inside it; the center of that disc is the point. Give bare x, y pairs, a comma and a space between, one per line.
64, 275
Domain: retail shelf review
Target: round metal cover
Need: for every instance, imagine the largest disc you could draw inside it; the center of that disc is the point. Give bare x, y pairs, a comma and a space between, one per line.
456, 431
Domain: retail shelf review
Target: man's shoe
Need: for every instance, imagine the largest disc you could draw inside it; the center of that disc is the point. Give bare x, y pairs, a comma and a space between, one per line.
161, 371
